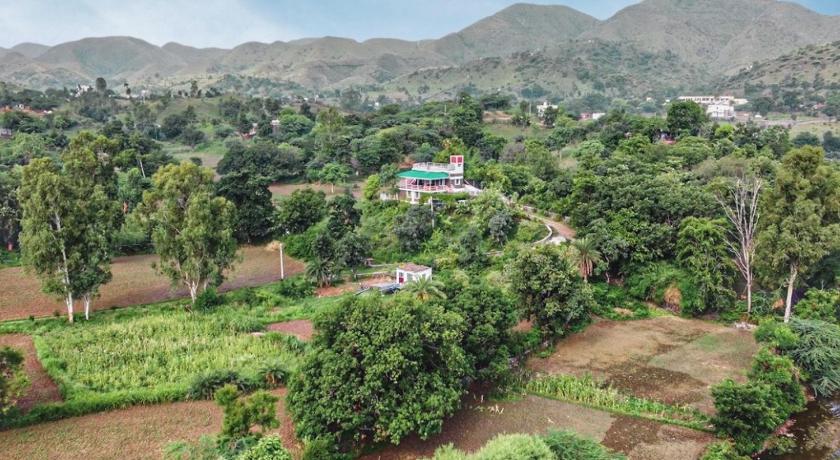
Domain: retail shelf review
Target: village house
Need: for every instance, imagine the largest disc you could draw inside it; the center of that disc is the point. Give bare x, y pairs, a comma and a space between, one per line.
430, 178
409, 272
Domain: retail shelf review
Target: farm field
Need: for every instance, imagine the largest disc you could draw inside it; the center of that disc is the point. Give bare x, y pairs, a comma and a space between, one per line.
653, 358
134, 282
139, 432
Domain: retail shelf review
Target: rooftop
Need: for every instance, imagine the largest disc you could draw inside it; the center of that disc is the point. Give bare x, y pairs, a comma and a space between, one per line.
427, 175
413, 268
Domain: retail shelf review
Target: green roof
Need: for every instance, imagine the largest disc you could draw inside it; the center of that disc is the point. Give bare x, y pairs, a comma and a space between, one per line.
428, 175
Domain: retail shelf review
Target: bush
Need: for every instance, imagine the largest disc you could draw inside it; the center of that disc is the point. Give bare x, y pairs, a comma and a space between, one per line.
12, 379
207, 300
817, 352
775, 334
294, 288
243, 413
820, 305
244, 297
747, 413
204, 386
722, 450
267, 448
323, 449
569, 446
502, 447
779, 372
667, 286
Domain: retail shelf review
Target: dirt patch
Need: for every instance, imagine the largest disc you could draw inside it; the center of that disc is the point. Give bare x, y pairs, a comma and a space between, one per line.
279, 190
668, 359
344, 288
523, 326
478, 422
301, 328
41, 388
140, 432
134, 282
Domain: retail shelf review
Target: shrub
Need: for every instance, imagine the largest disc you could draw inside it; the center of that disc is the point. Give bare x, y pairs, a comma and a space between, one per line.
205, 385
747, 413
776, 334
267, 448
566, 445
323, 448
244, 297
242, 413
12, 379
502, 447
820, 305
273, 373
779, 372
207, 300
668, 286
722, 450
817, 352
294, 288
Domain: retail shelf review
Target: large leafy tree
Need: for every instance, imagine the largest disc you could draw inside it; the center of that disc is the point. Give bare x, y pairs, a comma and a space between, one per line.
301, 210
68, 221
550, 289
248, 191
414, 227
192, 229
685, 117
800, 219
702, 252
379, 370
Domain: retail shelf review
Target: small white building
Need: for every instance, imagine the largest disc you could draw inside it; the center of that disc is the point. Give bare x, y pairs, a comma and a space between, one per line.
409, 272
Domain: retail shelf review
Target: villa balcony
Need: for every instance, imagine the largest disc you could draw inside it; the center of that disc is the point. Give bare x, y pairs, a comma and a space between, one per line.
410, 187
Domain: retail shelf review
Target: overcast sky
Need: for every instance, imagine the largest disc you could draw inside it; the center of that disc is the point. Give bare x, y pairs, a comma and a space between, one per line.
226, 23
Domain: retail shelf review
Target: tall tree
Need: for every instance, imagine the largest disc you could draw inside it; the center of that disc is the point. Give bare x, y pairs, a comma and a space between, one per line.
685, 117
702, 251
801, 222
333, 174
192, 230
741, 208
66, 226
248, 191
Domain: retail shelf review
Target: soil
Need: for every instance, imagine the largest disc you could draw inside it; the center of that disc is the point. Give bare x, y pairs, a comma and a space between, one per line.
41, 387
353, 286
301, 328
139, 432
669, 359
478, 422
287, 189
134, 282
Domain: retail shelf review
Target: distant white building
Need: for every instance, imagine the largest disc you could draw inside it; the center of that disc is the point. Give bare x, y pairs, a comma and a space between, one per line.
543, 107
717, 107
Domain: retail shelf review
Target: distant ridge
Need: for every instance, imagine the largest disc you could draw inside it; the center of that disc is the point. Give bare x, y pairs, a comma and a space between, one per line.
694, 40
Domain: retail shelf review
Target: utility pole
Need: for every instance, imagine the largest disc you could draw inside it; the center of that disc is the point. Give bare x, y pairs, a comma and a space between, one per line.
282, 264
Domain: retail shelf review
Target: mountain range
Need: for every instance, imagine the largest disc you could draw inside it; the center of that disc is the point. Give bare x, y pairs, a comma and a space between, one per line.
644, 48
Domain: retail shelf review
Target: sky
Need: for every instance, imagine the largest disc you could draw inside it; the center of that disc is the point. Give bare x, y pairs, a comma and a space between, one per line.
227, 23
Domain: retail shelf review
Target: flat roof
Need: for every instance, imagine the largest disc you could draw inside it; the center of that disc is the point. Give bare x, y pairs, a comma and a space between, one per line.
427, 175
413, 268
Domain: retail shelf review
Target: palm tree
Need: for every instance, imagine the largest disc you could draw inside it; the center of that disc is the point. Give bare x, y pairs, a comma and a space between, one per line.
585, 256
320, 272
425, 289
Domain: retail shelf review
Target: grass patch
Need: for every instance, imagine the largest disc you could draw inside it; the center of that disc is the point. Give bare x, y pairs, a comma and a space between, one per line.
586, 391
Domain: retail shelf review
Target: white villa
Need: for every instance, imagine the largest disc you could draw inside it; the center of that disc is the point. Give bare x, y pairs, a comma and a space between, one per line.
426, 178
717, 107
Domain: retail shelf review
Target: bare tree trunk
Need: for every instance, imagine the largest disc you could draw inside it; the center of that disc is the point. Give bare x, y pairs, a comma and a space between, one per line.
86, 298
789, 300
68, 300
742, 212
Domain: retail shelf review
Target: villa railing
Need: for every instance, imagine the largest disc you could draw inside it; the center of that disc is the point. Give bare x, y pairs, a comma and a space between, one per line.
444, 167
403, 185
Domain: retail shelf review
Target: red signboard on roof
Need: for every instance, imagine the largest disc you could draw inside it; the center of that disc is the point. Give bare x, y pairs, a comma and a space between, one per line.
456, 159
